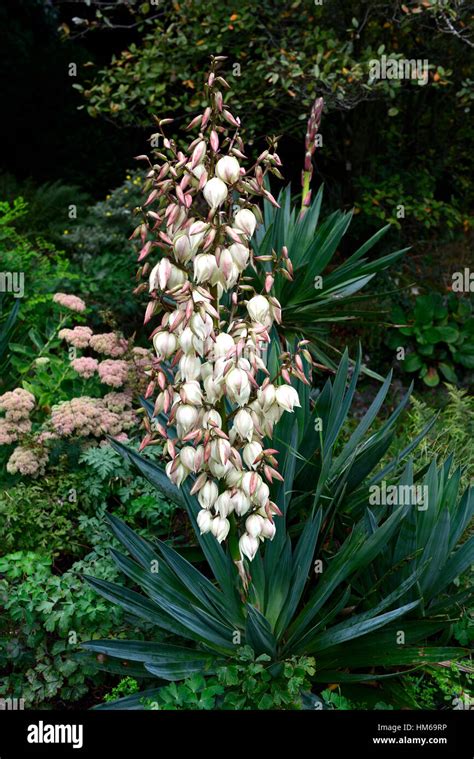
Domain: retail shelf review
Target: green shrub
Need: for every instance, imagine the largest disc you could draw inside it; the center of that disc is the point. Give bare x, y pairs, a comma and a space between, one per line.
450, 685
440, 335
50, 206
451, 433
106, 225
47, 615
46, 610
248, 683
46, 269
44, 616
43, 516
101, 253
408, 201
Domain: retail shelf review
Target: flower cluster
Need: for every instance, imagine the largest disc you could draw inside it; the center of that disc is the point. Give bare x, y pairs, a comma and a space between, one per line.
71, 302
27, 461
213, 382
84, 416
17, 405
113, 373
85, 366
109, 344
130, 369
79, 337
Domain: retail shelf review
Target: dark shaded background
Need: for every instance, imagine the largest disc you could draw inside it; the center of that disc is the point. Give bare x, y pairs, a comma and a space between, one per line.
43, 134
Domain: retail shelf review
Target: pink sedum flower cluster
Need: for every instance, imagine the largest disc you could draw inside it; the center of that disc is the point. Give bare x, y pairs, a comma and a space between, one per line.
27, 461
79, 337
113, 373
211, 341
130, 369
109, 344
16, 405
93, 417
71, 302
85, 366
84, 416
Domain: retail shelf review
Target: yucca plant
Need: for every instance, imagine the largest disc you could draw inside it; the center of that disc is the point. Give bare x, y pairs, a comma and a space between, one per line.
307, 594
309, 304
428, 542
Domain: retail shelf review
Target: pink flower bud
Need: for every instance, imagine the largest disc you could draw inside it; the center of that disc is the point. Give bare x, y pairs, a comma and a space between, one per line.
228, 117
194, 122
150, 310
218, 100
269, 280
205, 117
214, 140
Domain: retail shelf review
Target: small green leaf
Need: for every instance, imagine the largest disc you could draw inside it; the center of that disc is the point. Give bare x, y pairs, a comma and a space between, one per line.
448, 372
431, 377
412, 362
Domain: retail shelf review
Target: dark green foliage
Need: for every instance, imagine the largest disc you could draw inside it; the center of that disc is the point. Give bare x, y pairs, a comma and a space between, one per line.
439, 332
51, 206
322, 292
280, 59
44, 617
46, 611
248, 683
43, 516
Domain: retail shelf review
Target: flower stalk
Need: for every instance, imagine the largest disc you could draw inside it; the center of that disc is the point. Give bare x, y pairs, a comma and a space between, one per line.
214, 389
312, 130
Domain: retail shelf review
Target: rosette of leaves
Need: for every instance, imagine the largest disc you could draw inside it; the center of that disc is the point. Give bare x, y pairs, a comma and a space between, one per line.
321, 291
308, 595
439, 333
